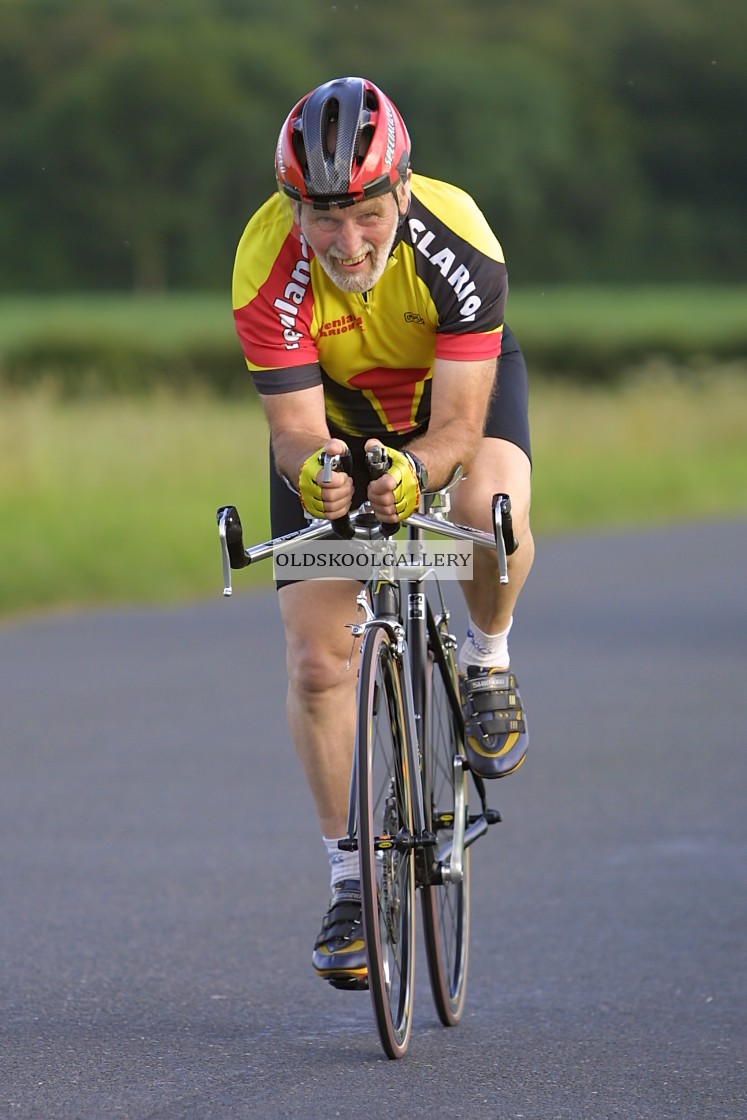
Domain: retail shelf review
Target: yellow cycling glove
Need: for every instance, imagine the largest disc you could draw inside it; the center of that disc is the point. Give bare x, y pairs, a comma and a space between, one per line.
410, 477
308, 487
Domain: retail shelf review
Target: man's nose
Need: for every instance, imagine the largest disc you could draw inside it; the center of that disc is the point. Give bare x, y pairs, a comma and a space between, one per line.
349, 239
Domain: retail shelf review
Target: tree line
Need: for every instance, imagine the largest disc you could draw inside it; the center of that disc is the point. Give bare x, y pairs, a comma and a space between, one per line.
604, 141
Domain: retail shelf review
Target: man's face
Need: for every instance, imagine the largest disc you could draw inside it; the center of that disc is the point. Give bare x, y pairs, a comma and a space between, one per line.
352, 244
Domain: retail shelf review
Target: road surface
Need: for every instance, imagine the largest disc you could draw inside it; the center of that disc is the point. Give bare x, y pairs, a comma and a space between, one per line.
162, 881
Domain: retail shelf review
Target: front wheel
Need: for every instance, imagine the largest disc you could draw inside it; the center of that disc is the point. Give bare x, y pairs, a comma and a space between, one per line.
446, 905
384, 829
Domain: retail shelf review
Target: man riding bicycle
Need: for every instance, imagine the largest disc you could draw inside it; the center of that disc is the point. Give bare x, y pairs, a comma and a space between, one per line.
369, 302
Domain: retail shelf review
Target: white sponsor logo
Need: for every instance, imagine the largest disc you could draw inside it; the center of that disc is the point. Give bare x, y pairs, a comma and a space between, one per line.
390, 136
445, 261
279, 156
292, 298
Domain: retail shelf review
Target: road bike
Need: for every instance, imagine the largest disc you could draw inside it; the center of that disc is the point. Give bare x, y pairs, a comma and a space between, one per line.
409, 817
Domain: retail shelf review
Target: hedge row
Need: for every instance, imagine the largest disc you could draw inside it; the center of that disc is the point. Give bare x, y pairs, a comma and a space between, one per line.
95, 368
133, 344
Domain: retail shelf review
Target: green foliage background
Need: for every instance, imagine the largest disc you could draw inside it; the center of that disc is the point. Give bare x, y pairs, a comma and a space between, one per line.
604, 140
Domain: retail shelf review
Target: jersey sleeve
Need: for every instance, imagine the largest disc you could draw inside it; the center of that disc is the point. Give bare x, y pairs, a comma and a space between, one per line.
273, 304
461, 262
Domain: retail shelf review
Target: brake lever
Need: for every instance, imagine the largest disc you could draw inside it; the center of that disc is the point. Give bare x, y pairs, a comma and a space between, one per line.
378, 463
340, 462
231, 544
505, 541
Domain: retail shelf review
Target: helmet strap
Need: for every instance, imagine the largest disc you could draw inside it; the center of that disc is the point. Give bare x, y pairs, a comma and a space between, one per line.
402, 217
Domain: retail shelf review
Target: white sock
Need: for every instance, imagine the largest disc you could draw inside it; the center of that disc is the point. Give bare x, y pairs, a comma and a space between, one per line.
485, 650
343, 865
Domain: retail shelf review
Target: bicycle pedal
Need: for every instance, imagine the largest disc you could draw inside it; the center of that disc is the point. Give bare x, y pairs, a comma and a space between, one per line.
348, 844
492, 816
403, 841
349, 983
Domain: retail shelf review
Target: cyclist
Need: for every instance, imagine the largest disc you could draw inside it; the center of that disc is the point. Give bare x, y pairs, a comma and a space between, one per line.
369, 302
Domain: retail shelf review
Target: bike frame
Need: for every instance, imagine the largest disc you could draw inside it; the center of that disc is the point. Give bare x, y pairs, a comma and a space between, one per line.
401, 606
382, 601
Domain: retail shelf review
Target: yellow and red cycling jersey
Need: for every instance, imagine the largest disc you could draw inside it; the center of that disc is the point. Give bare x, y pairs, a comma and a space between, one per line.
442, 295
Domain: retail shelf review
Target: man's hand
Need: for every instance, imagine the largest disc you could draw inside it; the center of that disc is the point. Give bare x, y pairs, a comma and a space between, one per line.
396, 494
325, 499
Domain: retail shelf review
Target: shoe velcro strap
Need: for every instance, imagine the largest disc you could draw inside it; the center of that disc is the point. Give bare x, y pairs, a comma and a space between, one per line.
346, 894
503, 723
495, 702
489, 704
341, 924
503, 694
342, 913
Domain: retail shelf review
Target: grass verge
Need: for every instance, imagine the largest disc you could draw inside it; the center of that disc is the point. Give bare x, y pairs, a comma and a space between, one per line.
113, 500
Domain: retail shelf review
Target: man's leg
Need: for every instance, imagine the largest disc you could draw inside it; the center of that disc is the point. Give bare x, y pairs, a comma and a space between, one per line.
496, 734
500, 467
323, 663
322, 689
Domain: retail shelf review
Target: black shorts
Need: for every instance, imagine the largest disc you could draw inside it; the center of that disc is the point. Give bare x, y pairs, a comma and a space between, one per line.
507, 419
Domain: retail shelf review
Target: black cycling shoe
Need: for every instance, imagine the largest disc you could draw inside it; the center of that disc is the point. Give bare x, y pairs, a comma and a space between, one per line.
340, 951
496, 737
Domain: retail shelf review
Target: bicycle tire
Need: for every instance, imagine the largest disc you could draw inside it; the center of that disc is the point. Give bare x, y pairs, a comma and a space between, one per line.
384, 826
445, 905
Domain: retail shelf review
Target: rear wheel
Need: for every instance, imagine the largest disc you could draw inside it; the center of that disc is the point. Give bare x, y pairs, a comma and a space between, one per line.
446, 905
385, 832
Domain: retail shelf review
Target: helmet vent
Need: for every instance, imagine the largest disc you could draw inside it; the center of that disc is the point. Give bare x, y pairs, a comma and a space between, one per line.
299, 149
329, 117
365, 137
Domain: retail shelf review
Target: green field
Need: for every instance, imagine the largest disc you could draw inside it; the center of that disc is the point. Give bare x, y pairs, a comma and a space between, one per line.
691, 319
164, 323
132, 343
701, 317
112, 499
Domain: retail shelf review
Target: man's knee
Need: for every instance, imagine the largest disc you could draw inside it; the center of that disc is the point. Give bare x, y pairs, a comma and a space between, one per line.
314, 667
499, 468
318, 644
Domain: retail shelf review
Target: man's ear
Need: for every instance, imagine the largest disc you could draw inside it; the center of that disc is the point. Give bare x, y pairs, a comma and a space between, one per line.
404, 195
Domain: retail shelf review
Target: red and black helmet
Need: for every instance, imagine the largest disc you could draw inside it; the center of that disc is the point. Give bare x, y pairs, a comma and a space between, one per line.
371, 151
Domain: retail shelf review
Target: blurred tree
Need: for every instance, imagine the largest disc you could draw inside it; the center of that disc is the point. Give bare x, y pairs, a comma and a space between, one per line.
682, 79
602, 140
546, 175
667, 88
134, 155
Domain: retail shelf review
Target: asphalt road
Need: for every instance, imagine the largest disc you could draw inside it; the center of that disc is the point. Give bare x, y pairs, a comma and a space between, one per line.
162, 882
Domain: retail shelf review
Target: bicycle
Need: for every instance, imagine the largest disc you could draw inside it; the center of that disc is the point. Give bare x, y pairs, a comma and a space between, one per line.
409, 817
